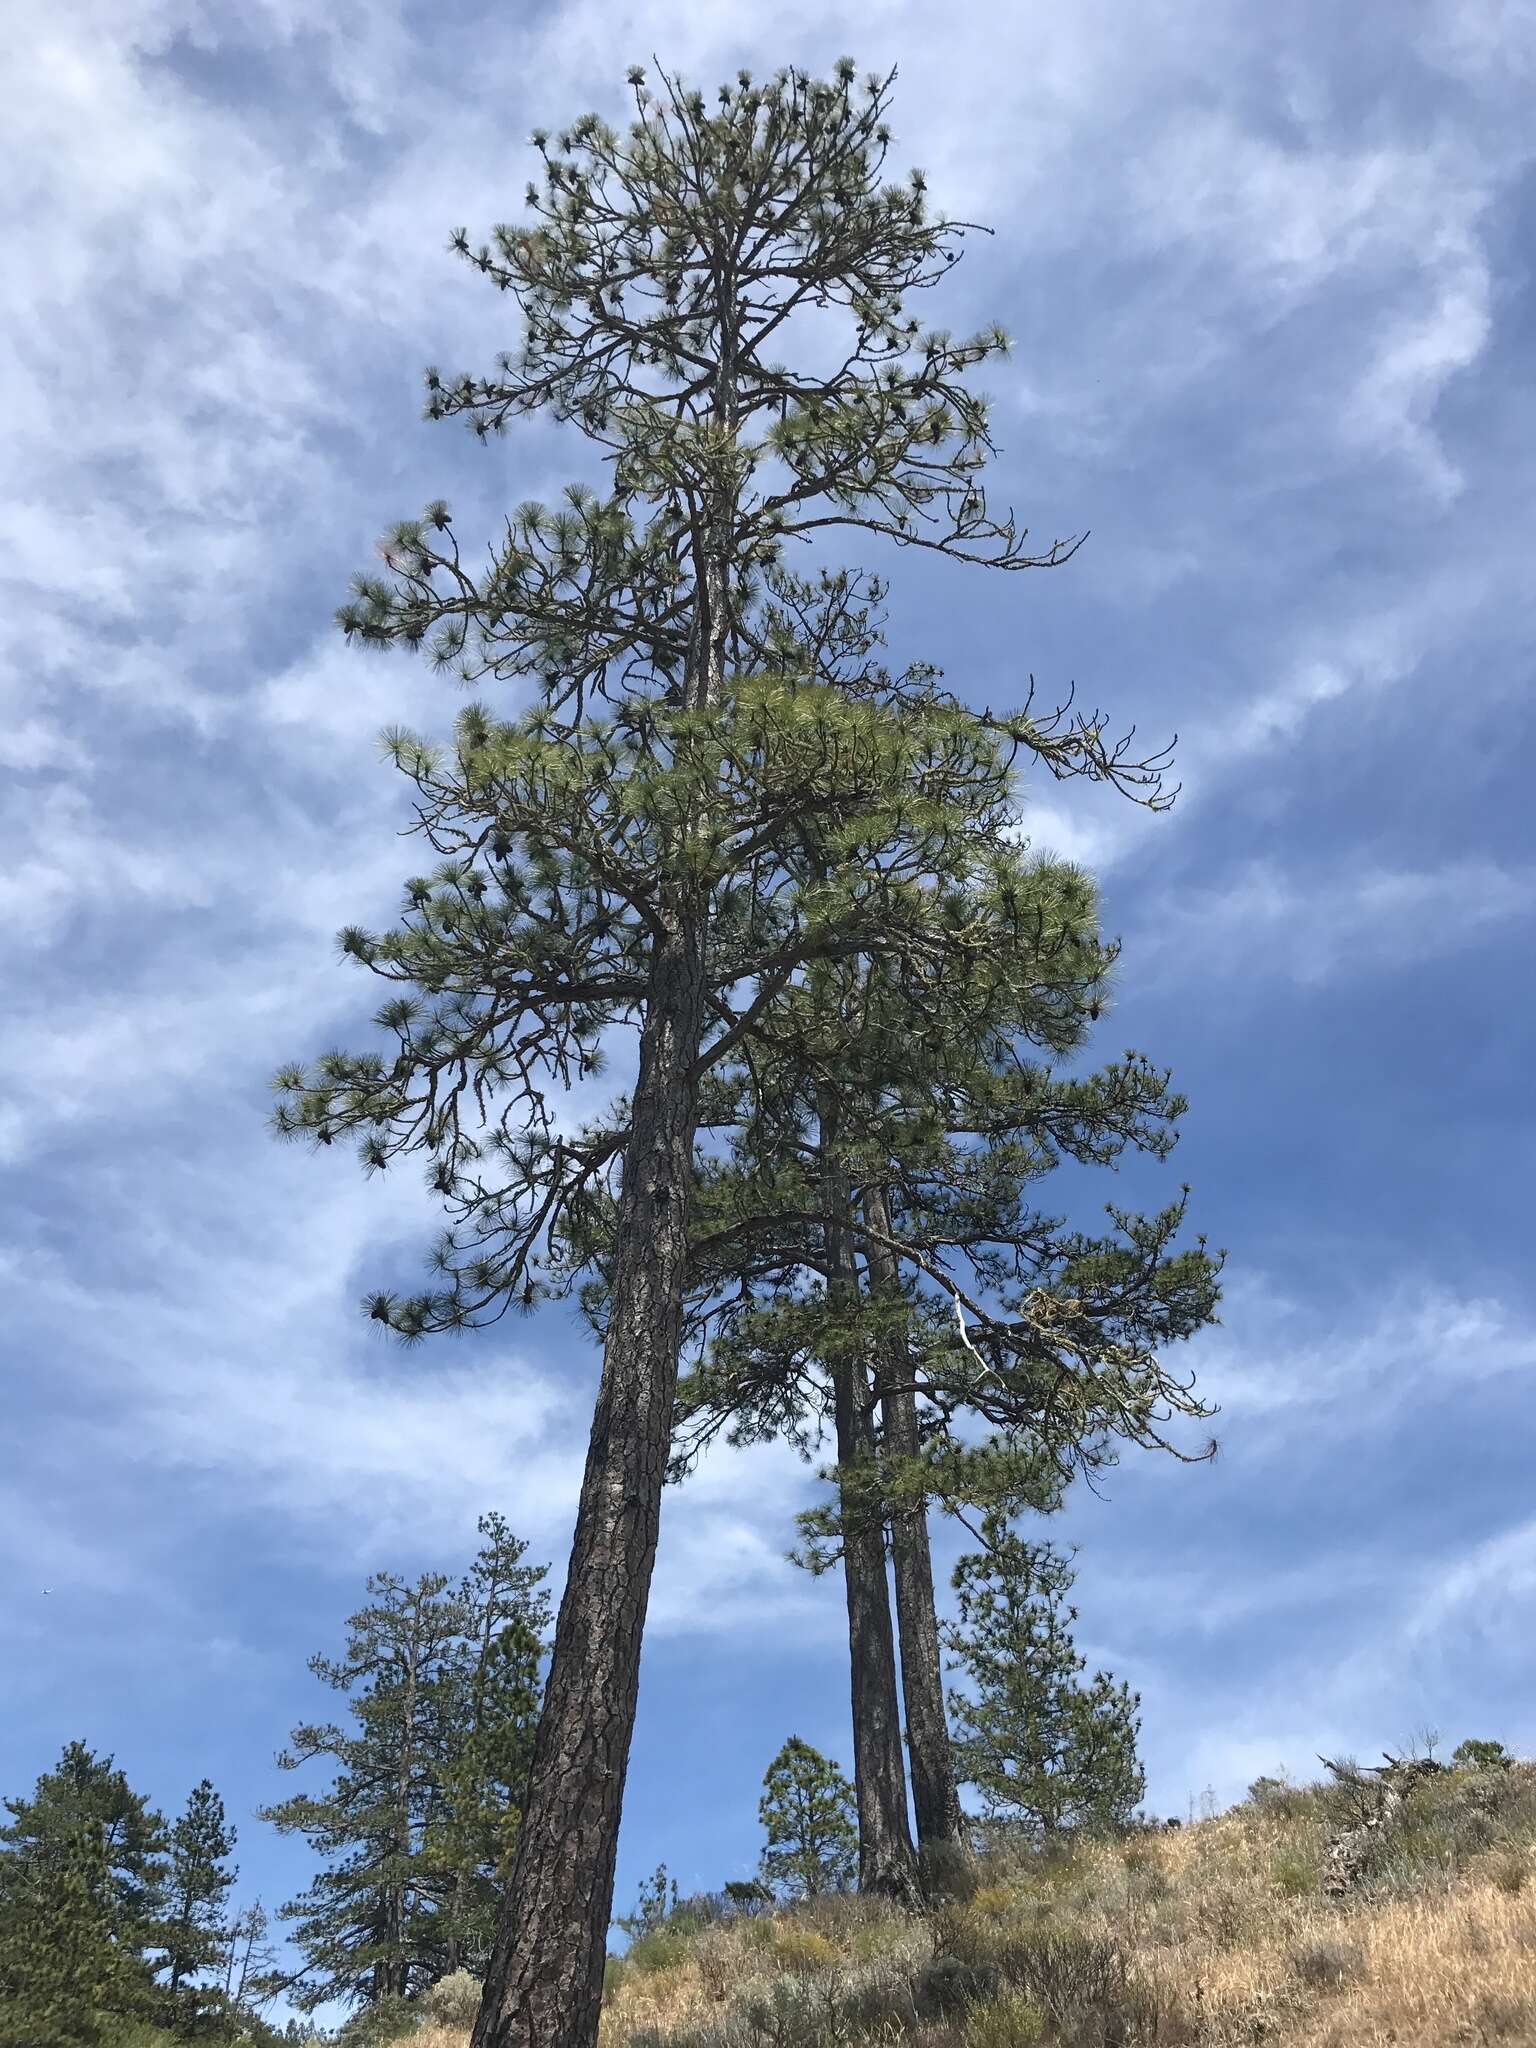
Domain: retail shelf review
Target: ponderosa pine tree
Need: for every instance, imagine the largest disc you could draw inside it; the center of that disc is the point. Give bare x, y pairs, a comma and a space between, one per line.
943, 1127
1041, 1747
366, 1926
66, 1980
196, 1930
415, 1826
492, 1721
615, 855
936, 1809
82, 1888
807, 1812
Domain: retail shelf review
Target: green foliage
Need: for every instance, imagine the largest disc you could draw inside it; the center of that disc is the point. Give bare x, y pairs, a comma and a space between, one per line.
485, 1770
68, 1970
381, 2021
1478, 1755
418, 1821
453, 2001
698, 709
807, 1813
1038, 1744
662, 1949
657, 1902
716, 801
83, 1877
197, 1935
1295, 1877
85, 1791
1012, 2021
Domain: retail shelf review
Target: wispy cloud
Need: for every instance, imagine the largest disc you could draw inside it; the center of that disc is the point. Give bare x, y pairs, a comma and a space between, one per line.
1261, 283
1314, 928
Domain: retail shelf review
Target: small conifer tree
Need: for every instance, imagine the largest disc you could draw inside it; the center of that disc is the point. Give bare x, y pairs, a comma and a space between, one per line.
808, 1814
66, 1981
1040, 1747
1478, 1753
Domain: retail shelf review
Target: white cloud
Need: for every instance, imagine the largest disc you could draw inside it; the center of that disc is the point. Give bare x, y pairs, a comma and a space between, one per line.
1269, 922
1240, 315
1491, 1585
1276, 1364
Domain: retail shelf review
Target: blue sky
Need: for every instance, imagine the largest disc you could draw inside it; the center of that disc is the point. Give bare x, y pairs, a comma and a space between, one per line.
1268, 272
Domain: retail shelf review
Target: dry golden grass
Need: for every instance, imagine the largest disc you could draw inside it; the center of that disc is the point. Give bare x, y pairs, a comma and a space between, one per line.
1226, 1938
1461, 1968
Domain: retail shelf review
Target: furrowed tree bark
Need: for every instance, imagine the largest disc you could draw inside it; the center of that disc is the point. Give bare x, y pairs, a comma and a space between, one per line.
935, 1795
545, 1982
887, 1861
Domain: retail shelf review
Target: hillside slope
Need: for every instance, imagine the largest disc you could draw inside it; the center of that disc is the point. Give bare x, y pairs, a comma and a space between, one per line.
1218, 1932
1209, 1934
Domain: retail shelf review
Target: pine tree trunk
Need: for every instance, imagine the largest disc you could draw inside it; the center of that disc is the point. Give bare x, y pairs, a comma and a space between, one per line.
935, 1795
544, 1985
392, 1976
887, 1863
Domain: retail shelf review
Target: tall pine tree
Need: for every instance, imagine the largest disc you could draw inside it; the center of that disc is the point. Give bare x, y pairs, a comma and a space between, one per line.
617, 855
505, 1617
197, 1932
942, 1117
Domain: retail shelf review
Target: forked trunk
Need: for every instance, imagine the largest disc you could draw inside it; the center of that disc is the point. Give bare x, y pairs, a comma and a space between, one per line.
935, 1795
887, 1862
544, 1985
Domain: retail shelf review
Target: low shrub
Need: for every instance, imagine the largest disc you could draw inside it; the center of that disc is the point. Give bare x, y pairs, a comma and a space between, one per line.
1294, 1878
717, 1958
662, 1950
453, 2000
1007, 2022
878, 2005
993, 1902
376, 2025
846, 1917
949, 1985
1326, 1965
802, 1950
790, 2013
1218, 1914
1071, 1976
1279, 1797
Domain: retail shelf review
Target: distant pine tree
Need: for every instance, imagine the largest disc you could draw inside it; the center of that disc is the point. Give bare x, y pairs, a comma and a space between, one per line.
65, 1979
1038, 1745
82, 1885
808, 1813
505, 1617
197, 1932
364, 1925
419, 1820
